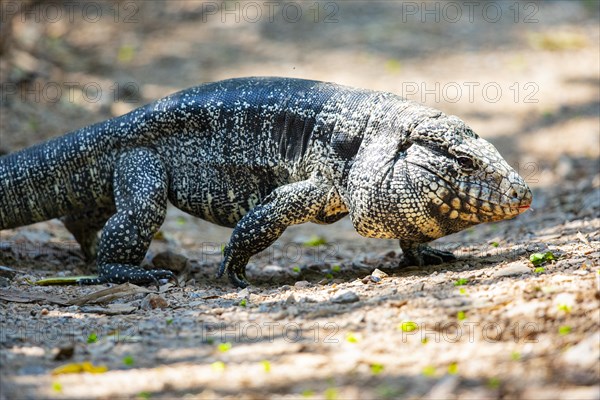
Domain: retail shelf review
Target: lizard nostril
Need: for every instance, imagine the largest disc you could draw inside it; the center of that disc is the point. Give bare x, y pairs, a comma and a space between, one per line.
514, 193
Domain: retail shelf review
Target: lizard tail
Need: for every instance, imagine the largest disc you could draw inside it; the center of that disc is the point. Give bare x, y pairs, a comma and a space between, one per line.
52, 179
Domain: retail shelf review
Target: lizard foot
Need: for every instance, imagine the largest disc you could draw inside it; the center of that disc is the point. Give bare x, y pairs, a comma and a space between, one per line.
236, 275
422, 255
121, 273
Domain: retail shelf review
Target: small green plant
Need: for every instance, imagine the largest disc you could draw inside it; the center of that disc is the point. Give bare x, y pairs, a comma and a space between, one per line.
461, 282
331, 393
539, 270
128, 360
541, 258
376, 369
461, 316
352, 338
408, 326
336, 268
266, 365
169, 321
453, 368
224, 347
565, 308
515, 356
428, 371
493, 383
495, 244
564, 330
92, 338
243, 303
57, 387
296, 269
315, 241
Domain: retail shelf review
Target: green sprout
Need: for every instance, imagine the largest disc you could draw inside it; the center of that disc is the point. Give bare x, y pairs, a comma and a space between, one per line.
224, 347
461, 282
408, 326
376, 369
315, 241
541, 258
92, 338
564, 330
266, 365
128, 360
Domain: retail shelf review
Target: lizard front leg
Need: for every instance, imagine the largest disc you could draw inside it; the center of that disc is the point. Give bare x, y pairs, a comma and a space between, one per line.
287, 205
140, 192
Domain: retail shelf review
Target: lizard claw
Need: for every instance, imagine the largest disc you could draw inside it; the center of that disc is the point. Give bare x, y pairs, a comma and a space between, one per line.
237, 276
236, 269
425, 255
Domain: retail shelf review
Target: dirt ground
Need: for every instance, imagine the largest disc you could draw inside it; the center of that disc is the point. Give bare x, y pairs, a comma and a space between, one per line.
317, 322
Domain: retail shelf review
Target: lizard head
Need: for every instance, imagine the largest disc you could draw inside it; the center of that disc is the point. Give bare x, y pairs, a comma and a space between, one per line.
436, 179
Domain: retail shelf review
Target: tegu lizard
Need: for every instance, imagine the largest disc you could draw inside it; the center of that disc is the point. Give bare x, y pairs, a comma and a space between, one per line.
259, 155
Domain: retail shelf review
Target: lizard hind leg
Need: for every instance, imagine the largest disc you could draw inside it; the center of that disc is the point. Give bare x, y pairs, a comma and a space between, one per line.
140, 192
84, 226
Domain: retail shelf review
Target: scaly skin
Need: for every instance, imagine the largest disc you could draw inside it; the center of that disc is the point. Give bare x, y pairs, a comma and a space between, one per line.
258, 155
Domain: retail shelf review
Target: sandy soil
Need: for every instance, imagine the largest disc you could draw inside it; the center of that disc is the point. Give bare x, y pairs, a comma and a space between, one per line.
317, 321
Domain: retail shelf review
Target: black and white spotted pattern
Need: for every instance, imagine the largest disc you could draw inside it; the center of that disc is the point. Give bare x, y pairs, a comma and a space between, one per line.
258, 155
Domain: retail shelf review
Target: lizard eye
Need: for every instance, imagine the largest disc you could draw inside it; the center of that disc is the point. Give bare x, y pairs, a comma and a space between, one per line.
466, 164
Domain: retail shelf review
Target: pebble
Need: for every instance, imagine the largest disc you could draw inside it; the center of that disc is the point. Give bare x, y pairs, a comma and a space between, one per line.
169, 260
585, 354
290, 300
302, 284
379, 274
580, 272
272, 269
345, 298
515, 268
153, 301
